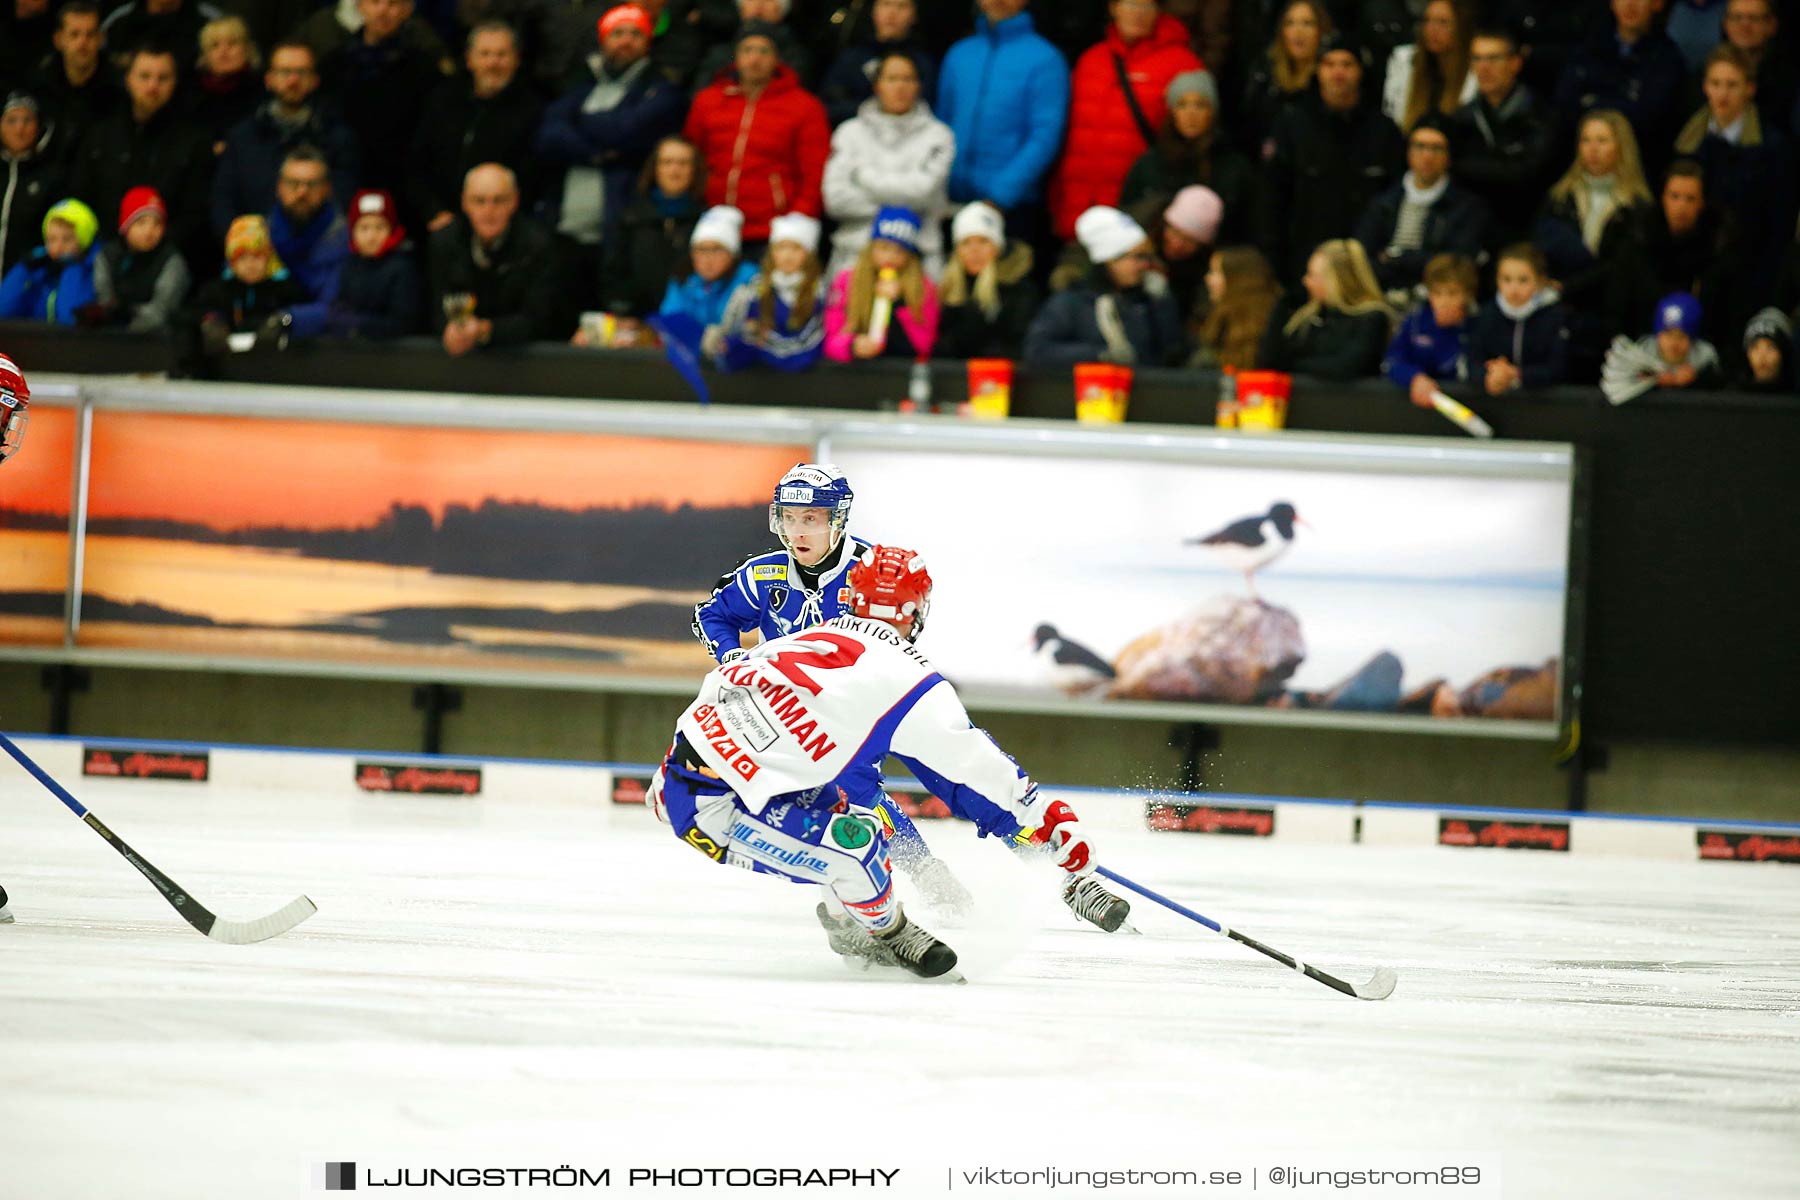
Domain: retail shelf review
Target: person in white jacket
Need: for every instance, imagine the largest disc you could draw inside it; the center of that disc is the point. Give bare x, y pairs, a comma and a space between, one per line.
892, 152
775, 767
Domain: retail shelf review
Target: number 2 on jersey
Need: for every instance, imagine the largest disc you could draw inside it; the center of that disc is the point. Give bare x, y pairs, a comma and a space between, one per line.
845, 651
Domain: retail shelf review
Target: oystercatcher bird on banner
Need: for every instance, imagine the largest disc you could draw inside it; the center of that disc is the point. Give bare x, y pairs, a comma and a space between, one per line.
1069, 665
1253, 543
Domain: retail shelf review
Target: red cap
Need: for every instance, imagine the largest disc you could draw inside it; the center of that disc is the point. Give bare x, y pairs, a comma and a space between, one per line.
137, 202
626, 14
373, 202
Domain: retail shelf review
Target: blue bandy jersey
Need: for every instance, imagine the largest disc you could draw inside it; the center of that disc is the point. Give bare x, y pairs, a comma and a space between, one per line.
766, 593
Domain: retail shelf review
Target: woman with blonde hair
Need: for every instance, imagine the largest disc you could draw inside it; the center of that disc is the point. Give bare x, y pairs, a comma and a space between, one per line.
1342, 329
1592, 230
1432, 74
885, 306
227, 83
1285, 73
1241, 284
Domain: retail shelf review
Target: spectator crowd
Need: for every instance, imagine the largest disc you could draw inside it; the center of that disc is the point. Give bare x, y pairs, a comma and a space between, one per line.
1497, 194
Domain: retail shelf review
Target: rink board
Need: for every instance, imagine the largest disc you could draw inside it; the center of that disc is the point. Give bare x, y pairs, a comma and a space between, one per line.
98, 765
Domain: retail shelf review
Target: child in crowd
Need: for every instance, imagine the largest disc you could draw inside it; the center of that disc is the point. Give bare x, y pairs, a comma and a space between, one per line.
717, 275
253, 293
56, 281
1768, 353
988, 297
1120, 311
378, 286
1674, 356
1241, 286
1521, 340
1432, 344
778, 319
885, 306
1340, 330
140, 280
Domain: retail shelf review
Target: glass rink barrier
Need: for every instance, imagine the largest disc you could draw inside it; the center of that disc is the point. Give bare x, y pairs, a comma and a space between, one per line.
1345, 580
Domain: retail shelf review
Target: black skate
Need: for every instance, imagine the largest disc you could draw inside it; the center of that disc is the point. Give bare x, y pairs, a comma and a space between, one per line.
1088, 899
5, 914
907, 945
910, 947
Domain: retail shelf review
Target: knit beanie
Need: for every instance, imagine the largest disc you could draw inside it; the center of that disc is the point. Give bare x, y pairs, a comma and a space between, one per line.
1678, 310
1106, 233
722, 226
626, 14
78, 215
795, 227
139, 201
1770, 323
897, 225
979, 219
1193, 83
250, 235
1196, 211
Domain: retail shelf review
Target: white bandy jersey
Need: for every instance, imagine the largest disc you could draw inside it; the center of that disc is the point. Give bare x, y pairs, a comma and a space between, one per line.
798, 711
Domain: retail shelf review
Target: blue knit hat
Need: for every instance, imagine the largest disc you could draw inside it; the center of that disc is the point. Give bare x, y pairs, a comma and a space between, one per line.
1678, 310
898, 225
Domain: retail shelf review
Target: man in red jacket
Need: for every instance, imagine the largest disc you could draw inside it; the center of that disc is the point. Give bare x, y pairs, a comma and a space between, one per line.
1109, 127
764, 137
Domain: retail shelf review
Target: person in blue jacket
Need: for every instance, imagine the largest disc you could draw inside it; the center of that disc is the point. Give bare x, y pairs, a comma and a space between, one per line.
56, 280
1432, 345
718, 271
1004, 92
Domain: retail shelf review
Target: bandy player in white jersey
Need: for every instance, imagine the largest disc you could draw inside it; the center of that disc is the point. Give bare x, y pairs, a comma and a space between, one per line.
15, 398
775, 765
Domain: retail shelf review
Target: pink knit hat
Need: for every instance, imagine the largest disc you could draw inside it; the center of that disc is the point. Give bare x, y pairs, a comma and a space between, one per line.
1196, 211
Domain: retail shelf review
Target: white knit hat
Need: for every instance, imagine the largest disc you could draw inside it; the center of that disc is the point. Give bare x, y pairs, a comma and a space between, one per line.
795, 227
723, 226
1106, 233
979, 219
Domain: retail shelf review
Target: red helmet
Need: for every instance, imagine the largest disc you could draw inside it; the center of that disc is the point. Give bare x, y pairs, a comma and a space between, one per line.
15, 398
892, 585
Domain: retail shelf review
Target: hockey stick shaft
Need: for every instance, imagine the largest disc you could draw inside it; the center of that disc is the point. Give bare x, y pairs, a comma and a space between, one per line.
1377, 988
191, 910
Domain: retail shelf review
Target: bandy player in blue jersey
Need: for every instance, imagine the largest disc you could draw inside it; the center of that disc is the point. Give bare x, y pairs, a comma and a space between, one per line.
801, 585
775, 767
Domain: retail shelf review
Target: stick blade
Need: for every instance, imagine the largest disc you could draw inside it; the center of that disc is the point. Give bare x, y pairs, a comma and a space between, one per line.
242, 933
1379, 987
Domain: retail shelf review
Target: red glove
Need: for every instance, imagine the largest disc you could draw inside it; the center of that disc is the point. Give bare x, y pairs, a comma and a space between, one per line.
1062, 832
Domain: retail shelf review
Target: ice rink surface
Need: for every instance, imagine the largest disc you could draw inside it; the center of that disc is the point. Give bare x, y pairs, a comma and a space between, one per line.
496, 985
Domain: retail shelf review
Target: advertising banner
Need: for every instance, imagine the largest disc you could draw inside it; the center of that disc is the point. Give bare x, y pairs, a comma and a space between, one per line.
413, 547
1320, 588
36, 486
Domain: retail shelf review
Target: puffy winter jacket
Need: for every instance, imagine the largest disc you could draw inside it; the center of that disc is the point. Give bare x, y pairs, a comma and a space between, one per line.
143, 292
880, 158
1104, 136
1423, 346
705, 302
377, 297
764, 156
1004, 92
1067, 329
1537, 344
45, 289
